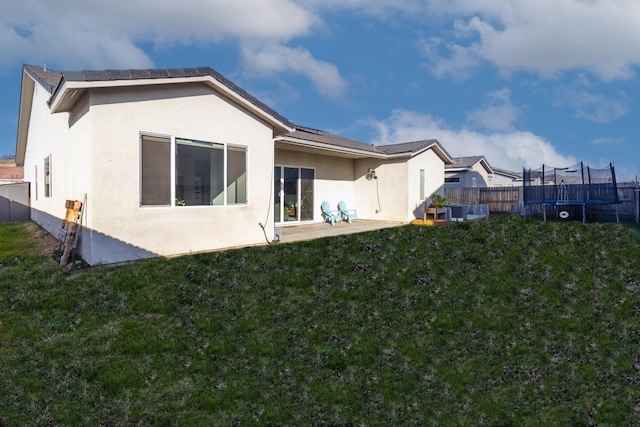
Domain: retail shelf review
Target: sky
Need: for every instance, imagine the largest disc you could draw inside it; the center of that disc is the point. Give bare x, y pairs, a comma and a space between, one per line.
522, 83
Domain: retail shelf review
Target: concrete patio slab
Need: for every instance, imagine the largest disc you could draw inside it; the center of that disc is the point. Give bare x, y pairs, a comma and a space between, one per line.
296, 233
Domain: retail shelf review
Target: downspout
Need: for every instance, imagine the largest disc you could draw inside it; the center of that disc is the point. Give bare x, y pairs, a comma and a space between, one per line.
266, 220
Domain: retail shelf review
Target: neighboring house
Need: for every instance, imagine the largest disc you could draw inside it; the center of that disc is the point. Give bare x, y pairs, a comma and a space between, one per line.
177, 161
535, 177
11, 174
505, 178
468, 172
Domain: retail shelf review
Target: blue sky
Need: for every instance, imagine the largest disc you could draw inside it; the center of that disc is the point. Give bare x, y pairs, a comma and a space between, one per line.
521, 82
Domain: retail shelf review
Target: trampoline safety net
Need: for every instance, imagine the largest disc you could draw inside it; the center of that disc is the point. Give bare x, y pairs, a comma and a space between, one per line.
574, 185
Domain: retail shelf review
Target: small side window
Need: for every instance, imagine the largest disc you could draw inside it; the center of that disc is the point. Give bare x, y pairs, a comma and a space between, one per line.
47, 176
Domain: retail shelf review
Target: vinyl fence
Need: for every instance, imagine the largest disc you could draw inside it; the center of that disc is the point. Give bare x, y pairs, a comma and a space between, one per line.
14, 202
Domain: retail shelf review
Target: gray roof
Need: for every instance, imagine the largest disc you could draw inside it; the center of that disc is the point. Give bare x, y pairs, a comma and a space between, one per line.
315, 135
47, 78
507, 172
53, 80
322, 137
411, 147
465, 162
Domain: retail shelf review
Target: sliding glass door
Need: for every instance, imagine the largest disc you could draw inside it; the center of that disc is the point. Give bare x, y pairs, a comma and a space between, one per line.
293, 191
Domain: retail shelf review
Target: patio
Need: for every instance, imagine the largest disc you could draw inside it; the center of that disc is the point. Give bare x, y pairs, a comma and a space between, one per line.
298, 233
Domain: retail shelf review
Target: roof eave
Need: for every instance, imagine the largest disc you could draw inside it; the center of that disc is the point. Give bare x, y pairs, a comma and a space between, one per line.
437, 148
69, 92
331, 148
486, 165
24, 116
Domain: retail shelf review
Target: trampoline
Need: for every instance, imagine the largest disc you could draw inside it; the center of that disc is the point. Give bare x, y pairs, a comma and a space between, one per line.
565, 189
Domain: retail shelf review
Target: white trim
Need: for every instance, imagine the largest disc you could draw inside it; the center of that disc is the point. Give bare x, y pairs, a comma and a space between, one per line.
173, 141
328, 147
283, 223
72, 87
360, 153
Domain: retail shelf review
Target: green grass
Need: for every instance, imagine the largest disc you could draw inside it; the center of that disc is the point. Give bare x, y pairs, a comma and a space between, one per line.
15, 240
504, 321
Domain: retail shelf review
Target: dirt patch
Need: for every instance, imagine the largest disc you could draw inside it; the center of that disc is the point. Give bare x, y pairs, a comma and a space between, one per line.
44, 242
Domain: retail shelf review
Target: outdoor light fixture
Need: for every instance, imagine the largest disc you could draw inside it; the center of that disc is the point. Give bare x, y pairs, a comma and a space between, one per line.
371, 174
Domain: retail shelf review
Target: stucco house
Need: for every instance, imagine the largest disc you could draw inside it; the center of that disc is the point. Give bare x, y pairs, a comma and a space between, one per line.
505, 178
11, 174
468, 172
177, 161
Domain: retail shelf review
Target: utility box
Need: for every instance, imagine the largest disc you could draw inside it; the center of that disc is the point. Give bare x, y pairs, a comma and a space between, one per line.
277, 234
459, 212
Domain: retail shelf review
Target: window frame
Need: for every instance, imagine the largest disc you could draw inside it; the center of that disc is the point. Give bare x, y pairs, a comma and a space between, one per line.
142, 174
47, 176
174, 142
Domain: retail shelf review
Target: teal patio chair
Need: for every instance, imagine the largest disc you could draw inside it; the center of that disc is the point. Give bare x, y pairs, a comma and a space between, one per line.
347, 214
329, 215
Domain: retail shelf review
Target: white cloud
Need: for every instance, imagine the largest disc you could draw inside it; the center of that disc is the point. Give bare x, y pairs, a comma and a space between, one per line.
497, 114
458, 64
508, 150
98, 34
606, 141
587, 105
545, 36
381, 9
275, 58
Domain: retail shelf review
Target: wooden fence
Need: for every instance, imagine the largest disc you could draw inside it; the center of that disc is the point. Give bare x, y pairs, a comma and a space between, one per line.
499, 199
509, 199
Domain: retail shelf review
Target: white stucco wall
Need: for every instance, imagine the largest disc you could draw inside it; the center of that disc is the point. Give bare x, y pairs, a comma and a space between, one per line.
122, 229
434, 180
333, 177
70, 167
97, 152
467, 177
384, 198
498, 180
393, 196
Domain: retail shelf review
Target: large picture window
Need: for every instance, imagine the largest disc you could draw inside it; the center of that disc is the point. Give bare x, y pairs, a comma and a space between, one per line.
199, 173
205, 173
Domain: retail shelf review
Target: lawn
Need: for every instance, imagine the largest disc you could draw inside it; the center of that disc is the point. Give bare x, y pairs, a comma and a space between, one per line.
15, 239
500, 321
